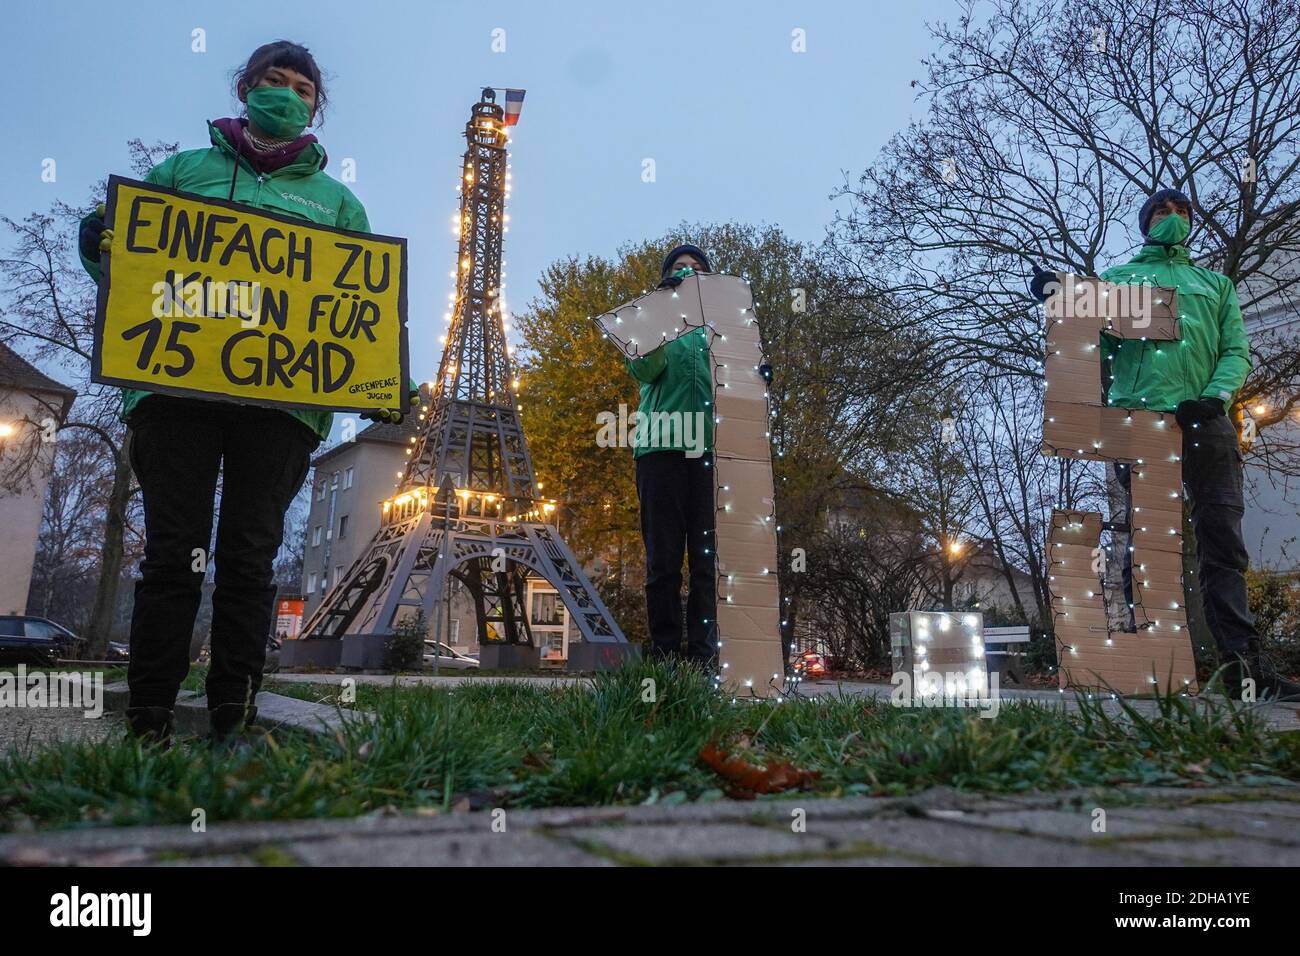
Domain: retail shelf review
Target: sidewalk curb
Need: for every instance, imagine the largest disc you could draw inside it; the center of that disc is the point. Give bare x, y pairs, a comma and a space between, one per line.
274, 712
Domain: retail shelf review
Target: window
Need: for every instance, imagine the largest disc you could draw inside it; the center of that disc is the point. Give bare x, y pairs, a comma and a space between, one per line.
343, 527
311, 581
40, 630
334, 480
547, 609
338, 572
315, 537
320, 491
347, 481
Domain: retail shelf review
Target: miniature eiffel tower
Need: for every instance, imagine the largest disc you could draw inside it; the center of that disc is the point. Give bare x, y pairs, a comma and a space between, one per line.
468, 504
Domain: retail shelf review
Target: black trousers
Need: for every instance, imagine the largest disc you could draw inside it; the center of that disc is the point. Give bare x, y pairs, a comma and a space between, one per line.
1212, 481
178, 447
677, 496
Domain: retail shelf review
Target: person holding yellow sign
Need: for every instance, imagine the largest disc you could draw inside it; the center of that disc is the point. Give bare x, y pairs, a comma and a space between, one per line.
178, 445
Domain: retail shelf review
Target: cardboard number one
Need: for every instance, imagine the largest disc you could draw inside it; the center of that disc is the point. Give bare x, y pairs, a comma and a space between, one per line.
749, 615
1078, 424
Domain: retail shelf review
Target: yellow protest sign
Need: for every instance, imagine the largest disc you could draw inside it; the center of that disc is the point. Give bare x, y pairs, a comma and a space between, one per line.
214, 299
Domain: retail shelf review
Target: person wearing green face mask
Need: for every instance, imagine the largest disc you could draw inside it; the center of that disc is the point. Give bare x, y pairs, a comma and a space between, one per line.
180, 446
277, 112
1196, 379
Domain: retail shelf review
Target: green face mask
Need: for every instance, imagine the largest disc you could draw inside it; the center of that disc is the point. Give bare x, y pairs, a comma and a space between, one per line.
1170, 231
277, 111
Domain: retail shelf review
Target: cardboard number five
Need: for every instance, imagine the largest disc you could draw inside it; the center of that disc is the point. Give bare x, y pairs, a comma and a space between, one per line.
1077, 423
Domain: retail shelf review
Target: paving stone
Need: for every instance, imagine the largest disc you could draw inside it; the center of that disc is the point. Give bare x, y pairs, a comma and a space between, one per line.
34, 853
700, 844
949, 799
1228, 818
479, 849
766, 812
1227, 851
1074, 824
1217, 794
77, 847
1157, 826
1268, 808
27, 729
882, 860
948, 842
224, 860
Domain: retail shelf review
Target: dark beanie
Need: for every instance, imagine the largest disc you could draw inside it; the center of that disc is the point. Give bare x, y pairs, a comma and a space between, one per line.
1157, 201
683, 250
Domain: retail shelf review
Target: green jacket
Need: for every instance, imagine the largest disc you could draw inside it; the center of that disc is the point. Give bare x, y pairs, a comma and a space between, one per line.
300, 189
1213, 357
676, 377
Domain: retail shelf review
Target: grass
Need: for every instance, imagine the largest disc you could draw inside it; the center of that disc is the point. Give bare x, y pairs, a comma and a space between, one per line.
530, 746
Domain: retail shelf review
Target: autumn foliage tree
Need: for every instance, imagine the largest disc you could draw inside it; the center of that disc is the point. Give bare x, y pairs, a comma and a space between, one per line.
842, 386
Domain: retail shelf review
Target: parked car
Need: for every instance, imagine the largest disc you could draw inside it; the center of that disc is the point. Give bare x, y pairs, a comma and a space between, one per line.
811, 666
118, 651
34, 640
449, 659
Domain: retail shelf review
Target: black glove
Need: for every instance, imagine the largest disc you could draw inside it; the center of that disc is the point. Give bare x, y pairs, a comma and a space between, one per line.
674, 280
765, 370
92, 239
1194, 411
1038, 285
392, 416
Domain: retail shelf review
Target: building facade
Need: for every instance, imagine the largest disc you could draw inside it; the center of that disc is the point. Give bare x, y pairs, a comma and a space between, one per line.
1271, 525
32, 407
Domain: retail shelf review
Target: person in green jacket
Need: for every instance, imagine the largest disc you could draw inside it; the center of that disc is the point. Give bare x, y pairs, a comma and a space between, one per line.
178, 446
672, 440
1197, 379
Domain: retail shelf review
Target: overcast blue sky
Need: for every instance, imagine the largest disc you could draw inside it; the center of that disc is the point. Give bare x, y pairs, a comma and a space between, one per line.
740, 127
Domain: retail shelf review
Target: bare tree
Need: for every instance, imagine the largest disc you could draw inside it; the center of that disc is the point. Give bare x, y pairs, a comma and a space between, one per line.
1047, 126
49, 312
846, 377
872, 559
1015, 487
65, 573
293, 549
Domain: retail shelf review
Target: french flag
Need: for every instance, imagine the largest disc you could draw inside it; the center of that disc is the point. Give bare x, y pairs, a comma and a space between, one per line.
514, 105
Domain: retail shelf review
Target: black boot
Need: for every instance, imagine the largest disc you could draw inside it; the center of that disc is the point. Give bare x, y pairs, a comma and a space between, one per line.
151, 725
1269, 684
229, 723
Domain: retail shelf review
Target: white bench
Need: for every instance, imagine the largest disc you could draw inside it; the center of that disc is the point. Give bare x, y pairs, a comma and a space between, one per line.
1003, 646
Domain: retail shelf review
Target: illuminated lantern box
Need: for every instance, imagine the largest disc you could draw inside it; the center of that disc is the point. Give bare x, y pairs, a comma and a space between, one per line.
942, 652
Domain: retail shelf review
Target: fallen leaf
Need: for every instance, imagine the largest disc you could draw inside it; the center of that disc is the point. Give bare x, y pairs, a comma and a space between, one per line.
747, 780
